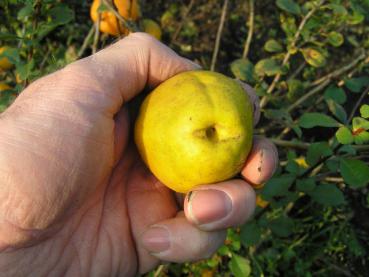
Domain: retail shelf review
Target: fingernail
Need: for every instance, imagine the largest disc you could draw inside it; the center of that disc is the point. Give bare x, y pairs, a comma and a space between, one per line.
156, 239
208, 206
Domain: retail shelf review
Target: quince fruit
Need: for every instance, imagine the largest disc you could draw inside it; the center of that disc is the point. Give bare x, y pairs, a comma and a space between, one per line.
195, 128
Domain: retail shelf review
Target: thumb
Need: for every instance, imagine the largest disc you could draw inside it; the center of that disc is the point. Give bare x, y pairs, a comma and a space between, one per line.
122, 70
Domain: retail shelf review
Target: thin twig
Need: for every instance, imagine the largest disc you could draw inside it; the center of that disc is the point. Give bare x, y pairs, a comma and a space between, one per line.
288, 54
290, 144
333, 179
158, 270
183, 21
86, 42
97, 34
251, 30
219, 34
312, 92
324, 81
305, 145
340, 70
357, 104
297, 71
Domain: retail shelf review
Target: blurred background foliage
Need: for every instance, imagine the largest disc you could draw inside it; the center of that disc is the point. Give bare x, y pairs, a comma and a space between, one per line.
309, 63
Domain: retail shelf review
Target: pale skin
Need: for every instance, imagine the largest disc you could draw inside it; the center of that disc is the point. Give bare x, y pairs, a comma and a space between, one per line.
76, 199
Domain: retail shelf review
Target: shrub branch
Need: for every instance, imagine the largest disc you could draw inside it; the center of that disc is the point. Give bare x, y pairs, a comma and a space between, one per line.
219, 34
286, 58
251, 30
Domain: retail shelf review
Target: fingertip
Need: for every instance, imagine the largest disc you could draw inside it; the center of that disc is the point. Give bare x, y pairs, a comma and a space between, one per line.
261, 163
222, 205
176, 240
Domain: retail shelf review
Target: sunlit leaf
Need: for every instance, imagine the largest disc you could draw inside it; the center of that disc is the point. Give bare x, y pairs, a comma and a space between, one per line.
335, 39
267, 67
364, 111
273, 46
243, 69
314, 57
239, 266
344, 135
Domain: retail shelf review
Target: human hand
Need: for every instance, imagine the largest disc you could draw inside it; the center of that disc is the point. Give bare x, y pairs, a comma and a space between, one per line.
75, 198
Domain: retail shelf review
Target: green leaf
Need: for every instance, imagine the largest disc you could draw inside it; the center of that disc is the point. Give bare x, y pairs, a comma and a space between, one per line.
250, 234
360, 123
364, 111
25, 11
337, 9
239, 266
362, 138
316, 151
357, 84
346, 149
344, 135
61, 14
243, 69
310, 120
355, 18
273, 46
12, 54
267, 67
288, 25
277, 186
295, 87
305, 185
314, 57
354, 172
282, 226
335, 39
25, 69
328, 194
278, 115
335, 93
289, 6
338, 111
297, 130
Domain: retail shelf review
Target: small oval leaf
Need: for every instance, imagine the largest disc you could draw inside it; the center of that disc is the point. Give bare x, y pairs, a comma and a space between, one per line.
310, 120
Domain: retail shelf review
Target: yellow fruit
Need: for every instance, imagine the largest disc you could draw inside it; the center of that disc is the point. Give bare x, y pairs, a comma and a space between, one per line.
152, 28
4, 61
4, 86
261, 202
195, 128
129, 9
109, 23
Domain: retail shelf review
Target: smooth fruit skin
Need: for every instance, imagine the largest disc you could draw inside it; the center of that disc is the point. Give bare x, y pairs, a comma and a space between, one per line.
4, 62
195, 128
